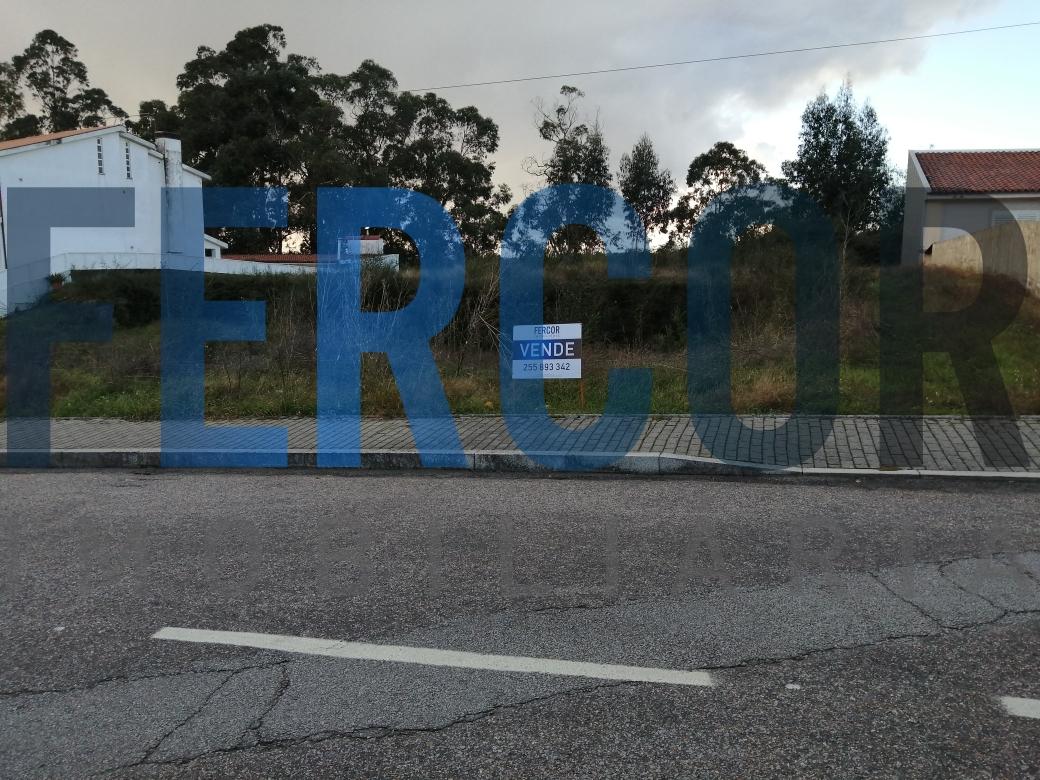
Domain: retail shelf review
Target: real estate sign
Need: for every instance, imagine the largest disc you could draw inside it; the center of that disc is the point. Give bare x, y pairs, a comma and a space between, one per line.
547, 351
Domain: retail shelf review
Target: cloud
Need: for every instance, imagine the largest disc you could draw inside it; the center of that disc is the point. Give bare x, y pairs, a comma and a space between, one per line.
135, 52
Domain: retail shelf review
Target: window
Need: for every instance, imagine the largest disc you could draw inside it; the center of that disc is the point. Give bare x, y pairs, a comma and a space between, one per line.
100, 159
126, 151
1001, 217
209, 253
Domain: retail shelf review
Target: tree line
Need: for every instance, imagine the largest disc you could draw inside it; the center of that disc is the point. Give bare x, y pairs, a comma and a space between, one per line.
255, 114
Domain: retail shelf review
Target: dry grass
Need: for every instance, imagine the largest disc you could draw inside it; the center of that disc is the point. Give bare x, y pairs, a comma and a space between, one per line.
639, 324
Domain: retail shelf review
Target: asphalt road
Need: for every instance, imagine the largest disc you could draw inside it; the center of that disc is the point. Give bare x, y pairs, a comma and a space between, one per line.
847, 629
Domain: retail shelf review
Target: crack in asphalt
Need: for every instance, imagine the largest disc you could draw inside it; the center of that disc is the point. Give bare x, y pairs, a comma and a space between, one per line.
385, 731
676, 598
805, 654
1018, 566
253, 730
129, 678
1005, 612
154, 748
151, 751
251, 738
371, 731
914, 606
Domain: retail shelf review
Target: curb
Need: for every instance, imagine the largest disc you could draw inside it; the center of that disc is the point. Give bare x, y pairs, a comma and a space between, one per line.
514, 461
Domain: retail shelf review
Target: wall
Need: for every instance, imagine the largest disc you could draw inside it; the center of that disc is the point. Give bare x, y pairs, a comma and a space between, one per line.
967, 215
958, 215
965, 253
914, 202
110, 261
73, 163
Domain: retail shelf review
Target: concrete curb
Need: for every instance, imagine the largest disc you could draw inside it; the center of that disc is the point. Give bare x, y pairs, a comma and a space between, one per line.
514, 461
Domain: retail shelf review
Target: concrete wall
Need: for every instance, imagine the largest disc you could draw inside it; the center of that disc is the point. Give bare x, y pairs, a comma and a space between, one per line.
112, 261
965, 252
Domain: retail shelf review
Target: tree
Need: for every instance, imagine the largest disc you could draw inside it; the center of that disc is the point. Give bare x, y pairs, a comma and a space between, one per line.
722, 168
579, 156
890, 229
57, 80
446, 154
12, 104
401, 139
250, 116
842, 162
368, 99
154, 116
16, 123
89, 108
647, 187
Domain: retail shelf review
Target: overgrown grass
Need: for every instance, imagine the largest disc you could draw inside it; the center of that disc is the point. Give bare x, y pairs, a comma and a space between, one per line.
626, 324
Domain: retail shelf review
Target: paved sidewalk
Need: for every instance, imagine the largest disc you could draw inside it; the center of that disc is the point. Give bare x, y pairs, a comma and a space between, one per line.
662, 444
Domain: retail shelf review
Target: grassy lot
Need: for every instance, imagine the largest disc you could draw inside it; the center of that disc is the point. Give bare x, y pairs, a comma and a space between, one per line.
638, 324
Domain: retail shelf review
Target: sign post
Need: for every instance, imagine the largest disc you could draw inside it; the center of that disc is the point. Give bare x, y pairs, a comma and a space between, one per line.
547, 351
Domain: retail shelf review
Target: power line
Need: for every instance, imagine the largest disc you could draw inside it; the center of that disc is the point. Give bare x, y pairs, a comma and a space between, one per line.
726, 57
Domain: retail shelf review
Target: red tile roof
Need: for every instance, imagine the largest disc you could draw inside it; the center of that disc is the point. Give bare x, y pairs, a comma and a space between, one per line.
981, 172
14, 143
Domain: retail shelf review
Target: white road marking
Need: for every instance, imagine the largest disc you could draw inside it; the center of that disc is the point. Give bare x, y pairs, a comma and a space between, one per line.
793, 687
1021, 708
429, 656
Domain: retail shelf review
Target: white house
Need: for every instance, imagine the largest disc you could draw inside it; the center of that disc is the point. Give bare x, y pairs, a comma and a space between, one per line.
103, 157
950, 193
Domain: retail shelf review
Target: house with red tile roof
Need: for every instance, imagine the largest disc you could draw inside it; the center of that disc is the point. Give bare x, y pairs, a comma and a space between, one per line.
950, 193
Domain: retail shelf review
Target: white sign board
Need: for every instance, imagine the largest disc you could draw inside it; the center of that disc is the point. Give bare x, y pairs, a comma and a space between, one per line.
547, 351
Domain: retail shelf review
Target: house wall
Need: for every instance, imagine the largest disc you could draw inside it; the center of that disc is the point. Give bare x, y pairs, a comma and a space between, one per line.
964, 253
74, 163
967, 215
957, 215
211, 249
914, 203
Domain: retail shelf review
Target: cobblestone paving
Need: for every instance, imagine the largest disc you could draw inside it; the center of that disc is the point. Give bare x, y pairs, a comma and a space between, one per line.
847, 442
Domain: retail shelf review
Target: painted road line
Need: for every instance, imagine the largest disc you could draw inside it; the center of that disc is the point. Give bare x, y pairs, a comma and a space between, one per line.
1021, 708
429, 656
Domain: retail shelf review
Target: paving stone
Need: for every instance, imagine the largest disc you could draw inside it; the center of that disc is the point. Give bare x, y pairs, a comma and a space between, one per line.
847, 442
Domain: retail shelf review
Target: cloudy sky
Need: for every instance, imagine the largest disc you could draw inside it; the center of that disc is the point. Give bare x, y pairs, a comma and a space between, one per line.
958, 92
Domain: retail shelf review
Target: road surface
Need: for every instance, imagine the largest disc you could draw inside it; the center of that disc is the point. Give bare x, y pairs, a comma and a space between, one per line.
163, 624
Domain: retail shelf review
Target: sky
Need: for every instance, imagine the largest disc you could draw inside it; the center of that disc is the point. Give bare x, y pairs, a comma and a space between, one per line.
971, 91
